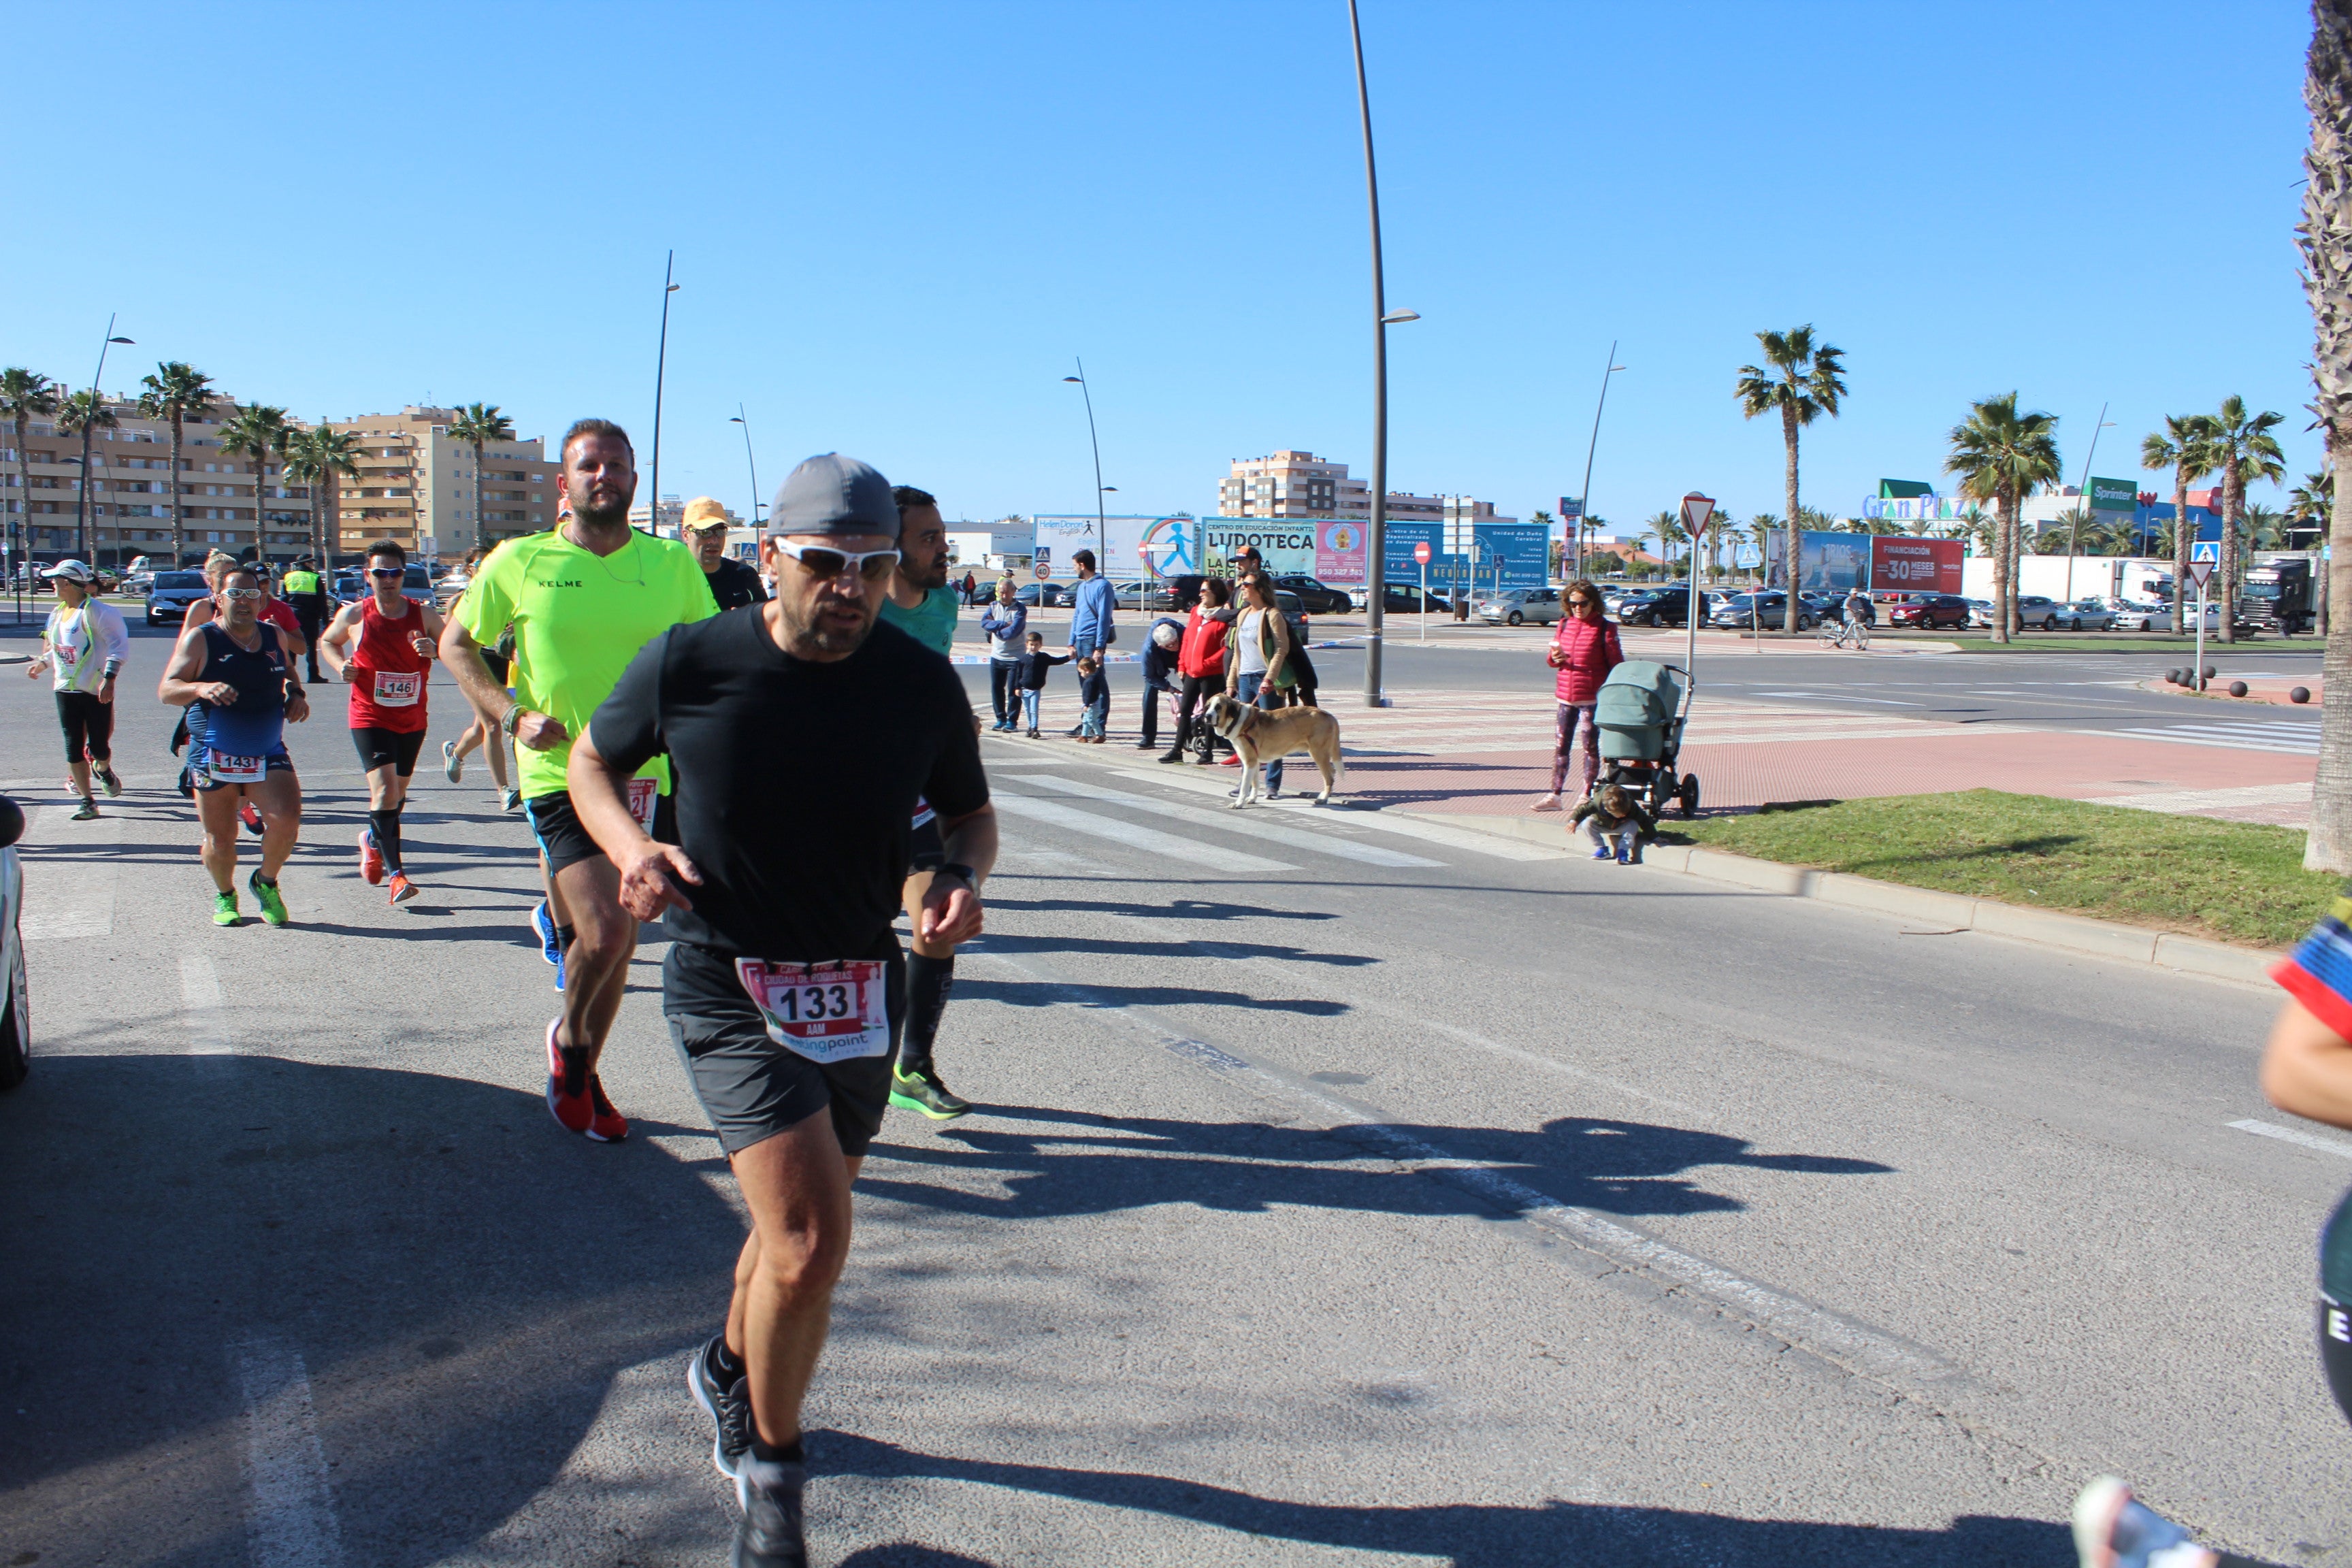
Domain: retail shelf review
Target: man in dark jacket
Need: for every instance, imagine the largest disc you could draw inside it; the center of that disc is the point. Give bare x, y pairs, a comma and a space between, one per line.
1159, 650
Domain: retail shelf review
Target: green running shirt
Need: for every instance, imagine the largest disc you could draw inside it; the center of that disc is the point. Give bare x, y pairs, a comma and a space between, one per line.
579, 617
931, 623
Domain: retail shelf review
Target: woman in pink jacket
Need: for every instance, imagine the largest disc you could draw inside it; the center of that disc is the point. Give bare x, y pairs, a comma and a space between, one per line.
1584, 650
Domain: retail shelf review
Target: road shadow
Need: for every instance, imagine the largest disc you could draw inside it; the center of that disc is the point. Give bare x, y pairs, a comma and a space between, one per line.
462, 1281
1052, 994
1068, 1163
1181, 909
1112, 947
1465, 1535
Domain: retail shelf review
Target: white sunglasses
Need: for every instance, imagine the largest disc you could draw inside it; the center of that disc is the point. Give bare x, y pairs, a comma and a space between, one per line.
822, 561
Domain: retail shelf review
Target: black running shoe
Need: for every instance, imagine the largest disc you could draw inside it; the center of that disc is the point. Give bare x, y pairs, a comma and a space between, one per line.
728, 1406
769, 1535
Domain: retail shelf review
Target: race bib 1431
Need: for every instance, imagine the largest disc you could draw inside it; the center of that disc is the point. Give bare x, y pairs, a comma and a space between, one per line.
825, 1012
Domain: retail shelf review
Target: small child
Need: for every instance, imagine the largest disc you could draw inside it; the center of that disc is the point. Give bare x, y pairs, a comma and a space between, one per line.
1094, 691
1034, 666
1615, 823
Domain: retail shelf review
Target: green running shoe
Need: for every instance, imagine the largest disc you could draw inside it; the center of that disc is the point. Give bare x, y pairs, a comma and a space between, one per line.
922, 1090
225, 911
273, 908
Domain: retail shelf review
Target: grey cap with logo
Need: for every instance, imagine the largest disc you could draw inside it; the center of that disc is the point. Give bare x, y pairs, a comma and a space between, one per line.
837, 497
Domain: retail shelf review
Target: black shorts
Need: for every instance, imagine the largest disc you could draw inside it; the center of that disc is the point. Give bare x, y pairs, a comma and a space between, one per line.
496, 662
565, 841
378, 747
89, 725
751, 1087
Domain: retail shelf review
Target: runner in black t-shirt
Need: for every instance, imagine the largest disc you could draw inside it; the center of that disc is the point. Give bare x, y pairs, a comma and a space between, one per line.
784, 984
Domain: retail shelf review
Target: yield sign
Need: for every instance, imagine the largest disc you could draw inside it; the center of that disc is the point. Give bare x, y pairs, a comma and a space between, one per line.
2209, 550
1696, 510
2200, 571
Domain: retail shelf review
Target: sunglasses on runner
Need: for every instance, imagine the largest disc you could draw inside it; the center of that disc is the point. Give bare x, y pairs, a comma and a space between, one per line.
872, 566
242, 594
387, 571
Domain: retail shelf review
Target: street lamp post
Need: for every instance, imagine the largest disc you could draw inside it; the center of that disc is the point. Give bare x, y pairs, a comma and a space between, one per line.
1584, 516
1376, 534
2082, 497
1102, 515
754, 466
81, 502
661, 362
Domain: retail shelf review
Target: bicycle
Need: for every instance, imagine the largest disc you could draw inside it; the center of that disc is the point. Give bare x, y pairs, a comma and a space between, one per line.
1854, 634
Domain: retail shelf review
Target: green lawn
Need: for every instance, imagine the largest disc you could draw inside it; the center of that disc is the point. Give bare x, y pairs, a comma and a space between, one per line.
2232, 881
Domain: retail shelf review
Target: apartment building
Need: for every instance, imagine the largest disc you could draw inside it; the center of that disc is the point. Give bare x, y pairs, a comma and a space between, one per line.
415, 486
228, 504
1301, 484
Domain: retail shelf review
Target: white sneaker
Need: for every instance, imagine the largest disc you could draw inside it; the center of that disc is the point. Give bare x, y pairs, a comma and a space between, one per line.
1548, 803
452, 763
2113, 1529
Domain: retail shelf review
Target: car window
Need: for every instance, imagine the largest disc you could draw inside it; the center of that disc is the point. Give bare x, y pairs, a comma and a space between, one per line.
179, 580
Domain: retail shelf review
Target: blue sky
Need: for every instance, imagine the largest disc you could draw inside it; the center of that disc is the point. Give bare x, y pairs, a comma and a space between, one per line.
897, 226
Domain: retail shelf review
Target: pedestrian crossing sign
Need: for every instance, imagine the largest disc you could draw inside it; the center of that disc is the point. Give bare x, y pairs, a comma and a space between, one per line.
2205, 550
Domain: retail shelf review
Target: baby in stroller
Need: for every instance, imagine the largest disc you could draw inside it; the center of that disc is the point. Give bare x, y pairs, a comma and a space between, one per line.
1615, 823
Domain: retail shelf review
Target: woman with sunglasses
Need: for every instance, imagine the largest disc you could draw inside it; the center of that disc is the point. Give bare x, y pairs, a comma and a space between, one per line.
1583, 650
239, 674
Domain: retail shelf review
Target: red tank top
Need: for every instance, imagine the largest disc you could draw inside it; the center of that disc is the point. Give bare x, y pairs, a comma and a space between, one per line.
390, 692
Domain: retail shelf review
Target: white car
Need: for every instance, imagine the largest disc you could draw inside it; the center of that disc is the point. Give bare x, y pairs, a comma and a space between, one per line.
2134, 616
16, 1008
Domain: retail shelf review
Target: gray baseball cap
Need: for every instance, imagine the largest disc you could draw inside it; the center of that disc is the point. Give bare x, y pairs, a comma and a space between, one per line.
832, 494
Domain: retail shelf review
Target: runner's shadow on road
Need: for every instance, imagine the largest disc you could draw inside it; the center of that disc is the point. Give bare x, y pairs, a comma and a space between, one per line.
1465, 1535
1000, 942
1047, 993
1102, 1164
1181, 909
462, 1281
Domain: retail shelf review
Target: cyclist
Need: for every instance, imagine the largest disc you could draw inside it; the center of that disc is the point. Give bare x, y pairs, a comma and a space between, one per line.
1857, 614
392, 640
921, 604
84, 644
237, 672
781, 986
582, 599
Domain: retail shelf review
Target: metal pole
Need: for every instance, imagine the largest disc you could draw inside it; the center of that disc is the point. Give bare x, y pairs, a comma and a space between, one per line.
1102, 521
1375, 536
661, 363
81, 502
1424, 600
2082, 501
751, 462
1591, 447
2197, 676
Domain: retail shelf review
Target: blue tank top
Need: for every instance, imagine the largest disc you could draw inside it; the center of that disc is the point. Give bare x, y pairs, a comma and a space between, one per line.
255, 724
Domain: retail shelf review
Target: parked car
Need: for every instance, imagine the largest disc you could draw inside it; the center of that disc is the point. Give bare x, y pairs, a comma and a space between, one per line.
1294, 611
1406, 600
1320, 597
1666, 606
1042, 595
1514, 606
1769, 610
15, 1004
1981, 612
2038, 611
2133, 617
1928, 610
2086, 616
171, 595
449, 585
135, 585
1126, 595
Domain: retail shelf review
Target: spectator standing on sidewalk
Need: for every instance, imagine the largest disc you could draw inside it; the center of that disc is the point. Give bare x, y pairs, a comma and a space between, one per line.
1584, 649
1201, 661
1257, 658
1160, 653
1091, 632
1035, 664
1094, 691
1005, 623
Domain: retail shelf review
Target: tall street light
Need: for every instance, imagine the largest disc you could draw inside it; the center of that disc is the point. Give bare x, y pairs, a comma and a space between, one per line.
2082, 497
1591, 447
1375, 535
739, 419
1102, 518
81, 502
661, 361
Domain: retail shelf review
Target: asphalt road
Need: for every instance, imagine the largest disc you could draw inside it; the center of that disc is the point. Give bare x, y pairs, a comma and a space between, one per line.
1346, 1189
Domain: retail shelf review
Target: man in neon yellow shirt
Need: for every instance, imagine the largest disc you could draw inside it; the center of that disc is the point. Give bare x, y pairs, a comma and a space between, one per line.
583, 600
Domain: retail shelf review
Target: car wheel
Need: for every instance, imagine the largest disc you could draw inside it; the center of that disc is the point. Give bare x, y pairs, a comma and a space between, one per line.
16, 1027
1515, 618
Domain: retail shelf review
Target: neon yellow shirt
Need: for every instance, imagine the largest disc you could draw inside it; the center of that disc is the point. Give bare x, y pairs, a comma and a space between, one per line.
579, 618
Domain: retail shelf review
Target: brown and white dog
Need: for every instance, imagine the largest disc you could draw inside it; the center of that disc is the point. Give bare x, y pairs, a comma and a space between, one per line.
1261, 735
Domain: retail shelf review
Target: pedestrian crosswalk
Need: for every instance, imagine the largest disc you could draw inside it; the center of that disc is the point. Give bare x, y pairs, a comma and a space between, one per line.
2294, 737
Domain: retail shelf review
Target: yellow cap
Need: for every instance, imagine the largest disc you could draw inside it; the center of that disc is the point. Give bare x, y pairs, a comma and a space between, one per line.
704, 511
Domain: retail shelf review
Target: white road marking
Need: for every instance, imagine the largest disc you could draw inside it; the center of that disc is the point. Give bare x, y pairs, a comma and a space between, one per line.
1184, 852
200, 994
1240, 821
2195, 800
2291, 1135
290, 1522
2296, 739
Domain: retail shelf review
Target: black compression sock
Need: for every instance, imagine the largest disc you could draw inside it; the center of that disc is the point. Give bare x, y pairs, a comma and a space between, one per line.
563, 939
792, 1453
928, 980
725, 1362
385, 827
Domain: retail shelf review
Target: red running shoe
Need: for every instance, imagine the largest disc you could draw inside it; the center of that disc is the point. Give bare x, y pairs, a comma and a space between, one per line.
608, 1125
403, 889
572, 1108
371, 863
250, 818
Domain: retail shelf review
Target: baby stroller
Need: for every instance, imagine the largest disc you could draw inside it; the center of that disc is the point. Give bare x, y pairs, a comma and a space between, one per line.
1642, 710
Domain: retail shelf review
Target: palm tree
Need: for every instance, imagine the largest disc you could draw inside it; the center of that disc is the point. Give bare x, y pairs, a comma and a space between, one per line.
2180, 446
82, 413
315, 457
1999, 456
2310, 503
22, 394
255, 431
478, 424
2264, 527
2243, 450
2326, 238
1804, 381
1973, 526
175, 392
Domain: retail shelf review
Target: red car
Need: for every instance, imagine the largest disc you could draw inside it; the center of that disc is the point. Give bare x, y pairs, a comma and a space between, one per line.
1925, 610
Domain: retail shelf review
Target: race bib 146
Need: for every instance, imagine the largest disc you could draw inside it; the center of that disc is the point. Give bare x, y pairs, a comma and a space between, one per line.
825, 1012
397, 688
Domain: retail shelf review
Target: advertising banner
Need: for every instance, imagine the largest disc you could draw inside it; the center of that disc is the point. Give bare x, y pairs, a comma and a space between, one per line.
1339, 545
1397, 565
1512, 554
1919, 565
2114, 495
1286, 544
1136, 546
1833, 562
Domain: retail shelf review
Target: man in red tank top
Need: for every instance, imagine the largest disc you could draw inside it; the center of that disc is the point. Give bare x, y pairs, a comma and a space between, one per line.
382, 647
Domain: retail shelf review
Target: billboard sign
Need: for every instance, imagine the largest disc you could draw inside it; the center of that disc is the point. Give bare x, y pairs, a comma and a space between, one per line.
1833, 562
1918, 508
1126, 546
1512, 554
1340, 544
1398, 542
1287, 546
1572, 508
1919, 565
2114, 495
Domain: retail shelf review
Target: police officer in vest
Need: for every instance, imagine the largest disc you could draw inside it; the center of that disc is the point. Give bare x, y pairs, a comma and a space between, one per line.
303, 589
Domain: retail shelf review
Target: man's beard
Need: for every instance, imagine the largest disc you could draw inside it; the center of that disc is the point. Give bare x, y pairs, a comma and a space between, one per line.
601, 516
823, 640
937, 577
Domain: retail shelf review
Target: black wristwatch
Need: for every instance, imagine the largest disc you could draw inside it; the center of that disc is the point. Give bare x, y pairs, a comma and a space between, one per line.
962, 873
